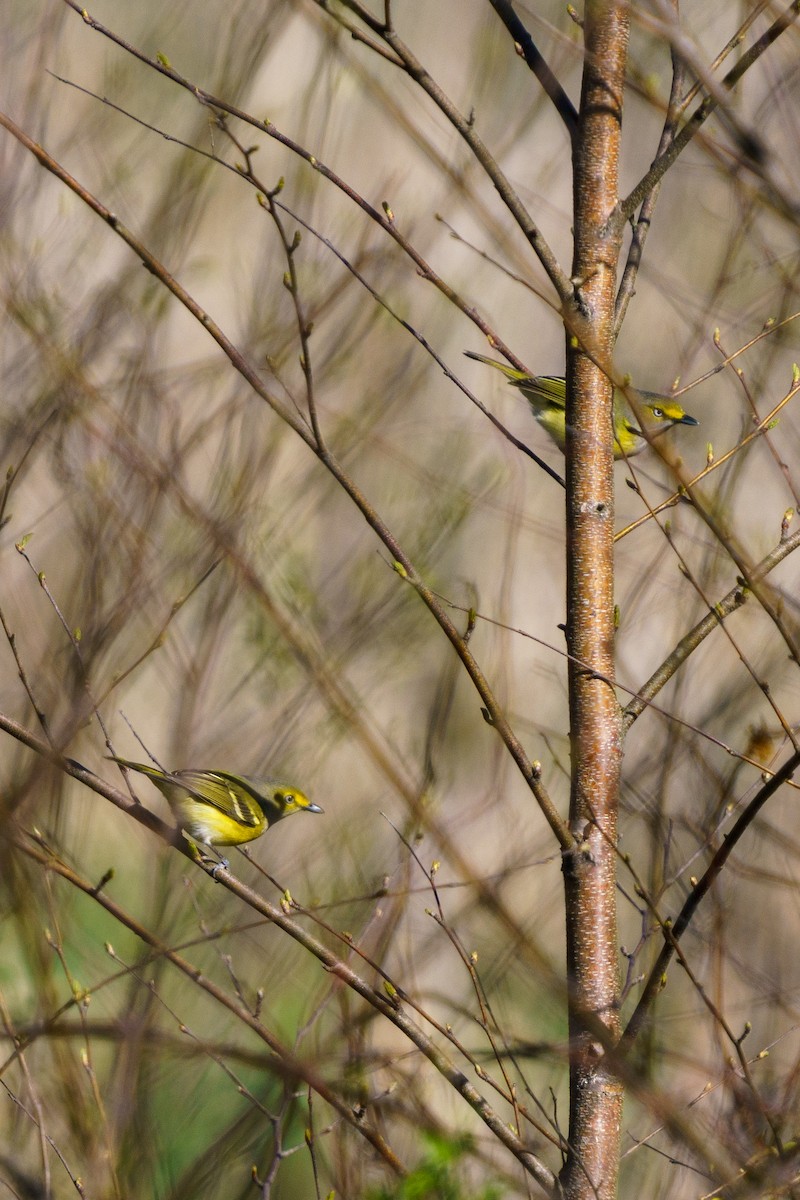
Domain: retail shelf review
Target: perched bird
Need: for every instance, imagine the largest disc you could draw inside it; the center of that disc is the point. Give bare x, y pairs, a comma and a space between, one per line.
217, 808
547, 395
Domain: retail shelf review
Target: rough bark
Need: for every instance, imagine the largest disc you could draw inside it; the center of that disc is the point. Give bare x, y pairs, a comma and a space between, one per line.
590, 873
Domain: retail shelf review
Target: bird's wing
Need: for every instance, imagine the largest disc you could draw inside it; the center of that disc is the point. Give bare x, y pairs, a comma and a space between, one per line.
547, 390
229, 793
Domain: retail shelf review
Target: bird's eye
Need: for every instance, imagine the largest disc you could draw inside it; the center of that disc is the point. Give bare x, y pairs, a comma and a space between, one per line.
290, 797
657, 412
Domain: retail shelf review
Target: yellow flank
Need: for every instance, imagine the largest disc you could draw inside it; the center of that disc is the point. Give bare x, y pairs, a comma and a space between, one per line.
217, 808
547, 395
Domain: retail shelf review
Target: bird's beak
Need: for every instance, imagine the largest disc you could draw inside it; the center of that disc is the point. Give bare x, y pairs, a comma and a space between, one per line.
686, 420
314, 808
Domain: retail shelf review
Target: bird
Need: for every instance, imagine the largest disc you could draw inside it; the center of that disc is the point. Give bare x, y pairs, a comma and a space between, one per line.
218, 808
547, 395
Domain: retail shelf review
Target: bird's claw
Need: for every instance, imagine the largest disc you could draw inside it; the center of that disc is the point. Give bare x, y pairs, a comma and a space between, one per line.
222, 865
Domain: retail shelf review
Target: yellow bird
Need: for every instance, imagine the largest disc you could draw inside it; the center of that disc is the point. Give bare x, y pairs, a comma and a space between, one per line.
217, 808
547, 396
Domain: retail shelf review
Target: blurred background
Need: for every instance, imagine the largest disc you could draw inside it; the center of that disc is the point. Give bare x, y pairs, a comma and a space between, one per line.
229, 607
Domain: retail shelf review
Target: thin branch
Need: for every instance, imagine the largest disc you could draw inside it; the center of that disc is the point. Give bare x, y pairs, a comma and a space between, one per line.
626, 208
386, 1003
403, 564
41, 715
264, 192
713, 1008
777, 458
733, 43
538, 64
687, 483
284, 1060
674, 933
533, 235
530, 231
619, 685
734, 599
643, 223
464, 126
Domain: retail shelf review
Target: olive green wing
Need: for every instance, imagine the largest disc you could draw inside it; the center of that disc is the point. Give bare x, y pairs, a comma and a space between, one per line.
544, 392
228, 793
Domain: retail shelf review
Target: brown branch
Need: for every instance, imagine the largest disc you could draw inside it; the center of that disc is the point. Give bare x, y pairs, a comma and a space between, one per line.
465, 128
530, 230
643, 223
729, 603
268, 196
673, 934
538, 64
402, 561
596, 1093
284, 1061
412, 67
710, 1005
388, 1003
627, 207
690, 482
